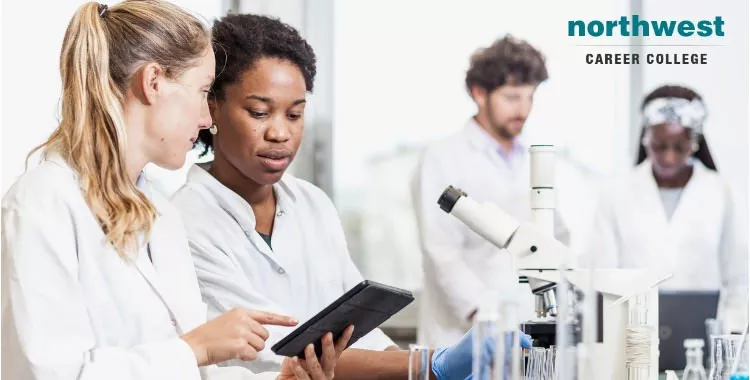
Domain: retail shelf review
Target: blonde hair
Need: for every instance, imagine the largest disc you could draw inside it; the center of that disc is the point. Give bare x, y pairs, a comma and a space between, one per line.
101, 50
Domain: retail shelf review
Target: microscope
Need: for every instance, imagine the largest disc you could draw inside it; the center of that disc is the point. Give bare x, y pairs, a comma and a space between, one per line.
599, 331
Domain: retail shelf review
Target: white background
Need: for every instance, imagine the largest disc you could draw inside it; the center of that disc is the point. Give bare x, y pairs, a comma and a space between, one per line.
31, 79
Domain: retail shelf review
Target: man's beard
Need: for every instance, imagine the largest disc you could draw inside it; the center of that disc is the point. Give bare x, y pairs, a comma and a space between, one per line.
505, 131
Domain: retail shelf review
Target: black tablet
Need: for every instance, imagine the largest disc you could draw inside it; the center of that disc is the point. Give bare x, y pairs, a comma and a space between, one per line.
366, 306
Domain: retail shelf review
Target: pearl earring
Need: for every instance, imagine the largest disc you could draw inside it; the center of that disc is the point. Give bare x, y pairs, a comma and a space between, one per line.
213, 129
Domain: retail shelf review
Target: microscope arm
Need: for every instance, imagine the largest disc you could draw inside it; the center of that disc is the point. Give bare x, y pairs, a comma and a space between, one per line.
533, 249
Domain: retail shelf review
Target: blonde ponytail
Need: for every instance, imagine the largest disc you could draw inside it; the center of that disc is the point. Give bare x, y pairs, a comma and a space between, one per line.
101, 50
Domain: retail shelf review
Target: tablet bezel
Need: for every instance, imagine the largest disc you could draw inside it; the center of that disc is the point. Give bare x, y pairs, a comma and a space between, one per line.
350, 295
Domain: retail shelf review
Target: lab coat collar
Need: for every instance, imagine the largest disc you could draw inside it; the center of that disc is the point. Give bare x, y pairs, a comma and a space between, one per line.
644, 170
482, 140
160, 238
157, 269
649, 190
143, 183
201, 180
57, 159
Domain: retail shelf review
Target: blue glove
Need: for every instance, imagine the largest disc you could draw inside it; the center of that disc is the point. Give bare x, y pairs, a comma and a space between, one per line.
456, 362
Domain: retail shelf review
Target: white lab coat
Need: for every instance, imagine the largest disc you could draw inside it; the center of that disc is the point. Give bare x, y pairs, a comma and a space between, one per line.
73, 309
458, 264
703, 245
308, 268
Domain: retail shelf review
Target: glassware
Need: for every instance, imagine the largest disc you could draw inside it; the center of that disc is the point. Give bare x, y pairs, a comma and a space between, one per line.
535, 364
638, 339
713, 327
509, 334
540, 363
485, 330
694, 369
741, 366
724, 349
419, 362
549, 372
496, 322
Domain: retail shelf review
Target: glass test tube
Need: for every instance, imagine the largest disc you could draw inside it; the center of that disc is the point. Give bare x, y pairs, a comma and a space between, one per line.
419, 362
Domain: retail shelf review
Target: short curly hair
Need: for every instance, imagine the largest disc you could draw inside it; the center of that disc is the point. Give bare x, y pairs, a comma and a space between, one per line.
507, 61
240, 40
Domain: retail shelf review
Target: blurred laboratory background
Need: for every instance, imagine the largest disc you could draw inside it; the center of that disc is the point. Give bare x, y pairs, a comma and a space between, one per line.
391, 80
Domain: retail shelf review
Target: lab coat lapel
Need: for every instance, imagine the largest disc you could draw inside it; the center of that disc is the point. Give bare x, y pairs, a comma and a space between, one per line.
240, 210
688, 207
647, 211
649, 197
160, 274
236, 207
261, 245
283, 233
667, 233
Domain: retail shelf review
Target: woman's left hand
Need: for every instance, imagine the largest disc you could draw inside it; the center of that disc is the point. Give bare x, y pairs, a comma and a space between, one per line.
312, 368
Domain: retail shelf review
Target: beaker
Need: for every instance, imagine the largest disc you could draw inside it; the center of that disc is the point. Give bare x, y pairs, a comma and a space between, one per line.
714, 327
419, 362
724, 349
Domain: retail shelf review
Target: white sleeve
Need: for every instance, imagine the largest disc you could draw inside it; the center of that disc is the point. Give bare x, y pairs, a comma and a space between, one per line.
442, 242
46, 330
603, 245
224, 286
376, 339
733, 262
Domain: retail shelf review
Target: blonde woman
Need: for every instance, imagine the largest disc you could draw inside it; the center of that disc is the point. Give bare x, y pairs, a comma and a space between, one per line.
97, 277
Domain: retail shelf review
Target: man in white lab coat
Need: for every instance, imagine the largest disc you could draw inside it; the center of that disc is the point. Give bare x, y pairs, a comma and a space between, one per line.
488, 161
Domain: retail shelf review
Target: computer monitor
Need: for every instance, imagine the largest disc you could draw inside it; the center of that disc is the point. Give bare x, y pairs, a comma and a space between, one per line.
682, 315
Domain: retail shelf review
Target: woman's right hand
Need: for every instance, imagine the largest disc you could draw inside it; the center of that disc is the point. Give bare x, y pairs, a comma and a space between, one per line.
236, 334
313, 368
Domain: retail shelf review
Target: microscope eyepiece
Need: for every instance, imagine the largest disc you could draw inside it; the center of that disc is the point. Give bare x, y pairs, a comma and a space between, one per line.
449, 198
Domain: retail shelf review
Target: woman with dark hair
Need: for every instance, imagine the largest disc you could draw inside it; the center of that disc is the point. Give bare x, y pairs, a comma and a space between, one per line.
258, 235
701, 151
673, 212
